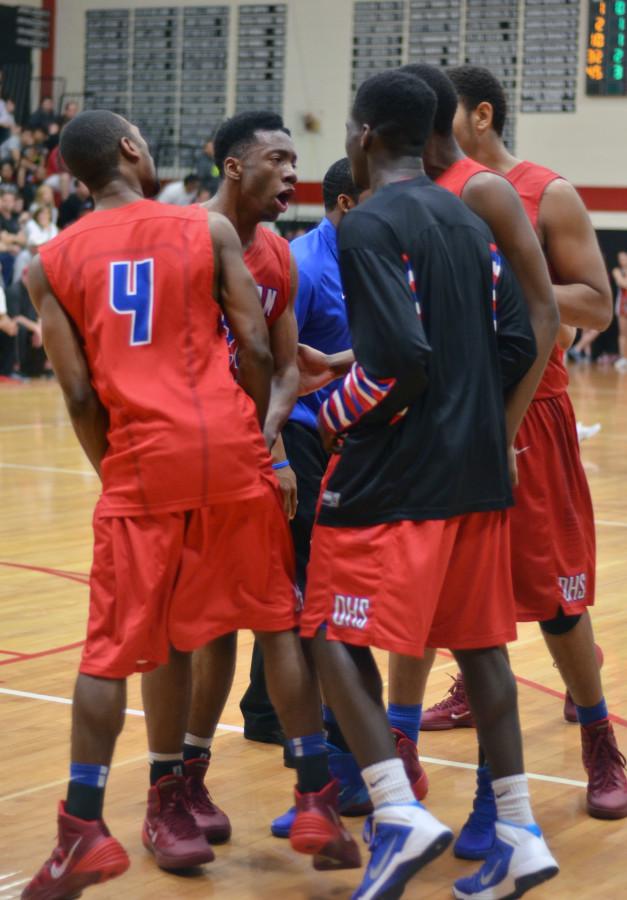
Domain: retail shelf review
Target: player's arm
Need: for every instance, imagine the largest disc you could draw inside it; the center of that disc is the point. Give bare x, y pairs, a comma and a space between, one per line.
493, 199
235, 291
566, 337
317, 369
620, 278
516, 347
283, 342
582, 291
63, 347
389, 343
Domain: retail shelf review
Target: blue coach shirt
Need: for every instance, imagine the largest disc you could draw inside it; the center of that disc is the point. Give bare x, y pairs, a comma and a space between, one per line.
320, 307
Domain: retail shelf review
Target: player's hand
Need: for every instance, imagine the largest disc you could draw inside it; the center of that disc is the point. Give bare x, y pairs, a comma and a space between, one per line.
314, 368
331, 442
287, 483
512, 466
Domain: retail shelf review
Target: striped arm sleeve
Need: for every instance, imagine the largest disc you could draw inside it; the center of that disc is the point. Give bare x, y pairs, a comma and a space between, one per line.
358, 394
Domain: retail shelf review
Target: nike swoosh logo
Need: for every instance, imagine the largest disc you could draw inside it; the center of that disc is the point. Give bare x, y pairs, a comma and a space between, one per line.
460, 715
378, 781
504, 794
484, 880
58, 870
522, 450
375, 871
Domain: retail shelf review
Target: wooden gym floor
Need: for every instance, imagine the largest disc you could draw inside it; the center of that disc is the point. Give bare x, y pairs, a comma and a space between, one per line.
47, 493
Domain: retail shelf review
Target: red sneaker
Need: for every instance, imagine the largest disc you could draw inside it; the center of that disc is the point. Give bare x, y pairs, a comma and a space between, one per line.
605, 764
408, 752
570, 710
452, 712
209, 817
170, 831
318, 830
86, 854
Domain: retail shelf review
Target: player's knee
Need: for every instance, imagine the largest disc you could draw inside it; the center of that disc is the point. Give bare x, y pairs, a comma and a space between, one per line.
561, 624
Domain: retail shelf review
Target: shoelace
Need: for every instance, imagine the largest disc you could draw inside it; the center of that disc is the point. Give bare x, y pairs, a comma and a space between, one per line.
178, 818
456, 694
606, 762
199, 794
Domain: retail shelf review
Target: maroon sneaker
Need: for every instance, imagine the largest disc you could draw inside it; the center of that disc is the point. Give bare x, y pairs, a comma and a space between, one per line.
318, 830
605, 764
170, 831
452, 712
86, 854
408, 752
570, 710
209, 817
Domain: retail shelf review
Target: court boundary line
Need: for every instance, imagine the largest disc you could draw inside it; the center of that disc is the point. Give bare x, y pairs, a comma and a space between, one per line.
237, 729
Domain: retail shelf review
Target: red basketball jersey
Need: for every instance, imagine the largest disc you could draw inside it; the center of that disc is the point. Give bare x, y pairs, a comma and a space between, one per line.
137, 282
268, 261
459, 174
531, 181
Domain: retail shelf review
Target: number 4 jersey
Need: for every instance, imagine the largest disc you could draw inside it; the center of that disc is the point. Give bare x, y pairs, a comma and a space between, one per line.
137, 282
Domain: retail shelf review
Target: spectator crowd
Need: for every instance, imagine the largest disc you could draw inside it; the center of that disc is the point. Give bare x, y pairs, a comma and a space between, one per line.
38, 197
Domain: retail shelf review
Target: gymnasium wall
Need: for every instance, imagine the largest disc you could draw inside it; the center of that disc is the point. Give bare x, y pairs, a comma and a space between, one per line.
587, 145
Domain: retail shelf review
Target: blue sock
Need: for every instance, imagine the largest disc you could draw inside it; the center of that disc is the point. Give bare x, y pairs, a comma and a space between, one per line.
589, 714
406, 719
312, 761
85, 796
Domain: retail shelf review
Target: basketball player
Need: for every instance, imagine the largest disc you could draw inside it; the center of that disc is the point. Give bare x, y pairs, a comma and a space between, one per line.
257, 163
492, 198
553, 549
323, 326
413, 511
619, 274
187, 535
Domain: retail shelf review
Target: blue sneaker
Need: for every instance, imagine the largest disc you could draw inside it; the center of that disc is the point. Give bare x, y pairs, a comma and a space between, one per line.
476, 839
402, 840
281, 826
520, 860
354, 797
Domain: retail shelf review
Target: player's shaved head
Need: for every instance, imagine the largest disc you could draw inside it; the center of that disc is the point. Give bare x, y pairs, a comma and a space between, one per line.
235, 135
399, 109
444, 89
476, 85
90, 146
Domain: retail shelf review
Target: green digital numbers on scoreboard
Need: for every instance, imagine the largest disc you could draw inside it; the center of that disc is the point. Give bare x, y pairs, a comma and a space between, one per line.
606, 48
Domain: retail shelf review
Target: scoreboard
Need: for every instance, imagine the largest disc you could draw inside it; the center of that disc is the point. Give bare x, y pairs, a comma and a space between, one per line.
606, 48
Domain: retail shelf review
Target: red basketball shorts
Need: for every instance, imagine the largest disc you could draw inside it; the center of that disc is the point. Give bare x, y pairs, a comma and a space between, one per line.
552, 524
183, 579
405, 585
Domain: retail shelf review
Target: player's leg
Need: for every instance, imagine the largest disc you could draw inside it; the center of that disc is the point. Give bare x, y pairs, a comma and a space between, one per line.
260, 719
293, 689
377, 568
86, 853
213, 670
170, 830
622, 341
570, 640
179, 744
405, 837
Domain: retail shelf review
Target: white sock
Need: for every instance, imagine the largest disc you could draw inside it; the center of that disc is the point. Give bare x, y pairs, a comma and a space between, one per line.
387, 783
512, 800
195, 741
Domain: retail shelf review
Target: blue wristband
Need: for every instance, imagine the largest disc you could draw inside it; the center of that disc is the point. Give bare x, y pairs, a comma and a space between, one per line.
281, 465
